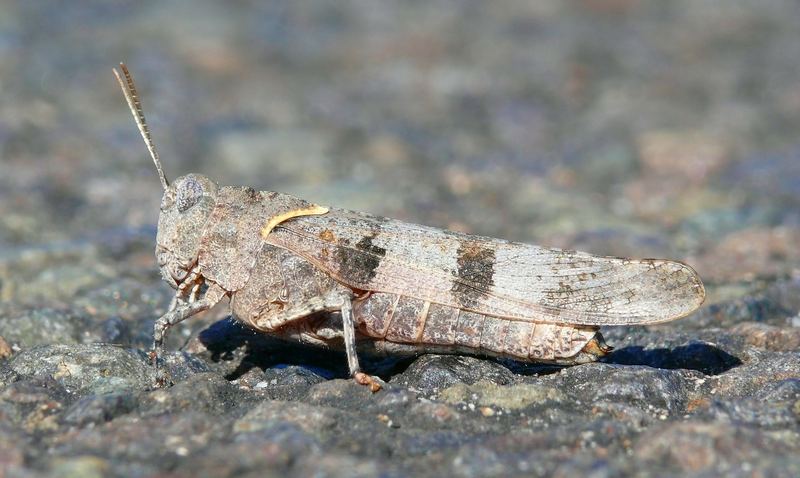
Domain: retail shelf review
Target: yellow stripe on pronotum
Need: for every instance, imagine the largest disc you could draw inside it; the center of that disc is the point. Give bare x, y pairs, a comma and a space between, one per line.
313, 210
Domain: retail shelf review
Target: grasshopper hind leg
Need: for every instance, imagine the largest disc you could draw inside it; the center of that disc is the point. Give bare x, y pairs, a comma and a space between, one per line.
334, 301
349, 329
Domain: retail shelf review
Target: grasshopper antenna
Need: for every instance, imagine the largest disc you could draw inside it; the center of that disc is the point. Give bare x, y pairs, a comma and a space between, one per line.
129, 90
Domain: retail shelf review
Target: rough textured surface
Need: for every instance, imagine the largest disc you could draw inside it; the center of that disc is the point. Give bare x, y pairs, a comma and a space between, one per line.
629, 128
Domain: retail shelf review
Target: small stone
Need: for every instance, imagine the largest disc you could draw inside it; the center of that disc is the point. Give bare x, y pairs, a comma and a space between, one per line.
388, 421
630, 392
294, 376
431, 412
340, 393
100, 408
205, 393
437, 372
781, 396
80, 467
510, 397
749, 379
96, 368
312, 419
769, 337
5, 349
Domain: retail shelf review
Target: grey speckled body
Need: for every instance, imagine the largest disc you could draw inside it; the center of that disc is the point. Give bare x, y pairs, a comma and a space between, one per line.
406, 288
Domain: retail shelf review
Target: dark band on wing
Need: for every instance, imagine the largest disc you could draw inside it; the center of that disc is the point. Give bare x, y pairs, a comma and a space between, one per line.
475, 268
360, 263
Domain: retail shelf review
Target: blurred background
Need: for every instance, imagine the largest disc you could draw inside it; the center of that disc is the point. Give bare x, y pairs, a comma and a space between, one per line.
624, 127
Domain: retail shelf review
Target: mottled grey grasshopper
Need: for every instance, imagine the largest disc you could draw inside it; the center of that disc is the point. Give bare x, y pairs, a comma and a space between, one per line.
401, 288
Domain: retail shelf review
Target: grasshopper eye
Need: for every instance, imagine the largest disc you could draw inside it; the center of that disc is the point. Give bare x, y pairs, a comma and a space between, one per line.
189, 192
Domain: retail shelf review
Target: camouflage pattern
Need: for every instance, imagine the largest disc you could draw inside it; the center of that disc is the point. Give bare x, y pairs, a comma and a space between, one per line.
429, 289
403, 287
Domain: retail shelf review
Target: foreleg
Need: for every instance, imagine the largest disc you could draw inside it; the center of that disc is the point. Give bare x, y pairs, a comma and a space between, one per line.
180, 312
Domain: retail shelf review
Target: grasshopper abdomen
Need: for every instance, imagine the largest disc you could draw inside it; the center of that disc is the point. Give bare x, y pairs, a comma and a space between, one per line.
402, 319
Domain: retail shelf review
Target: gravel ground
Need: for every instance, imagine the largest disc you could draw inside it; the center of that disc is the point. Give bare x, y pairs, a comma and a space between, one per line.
622, 127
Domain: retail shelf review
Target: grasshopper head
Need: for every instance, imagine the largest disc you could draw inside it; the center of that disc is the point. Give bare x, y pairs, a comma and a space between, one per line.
185, 207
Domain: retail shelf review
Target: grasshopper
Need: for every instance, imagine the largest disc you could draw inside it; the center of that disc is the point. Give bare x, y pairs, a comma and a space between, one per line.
400, 288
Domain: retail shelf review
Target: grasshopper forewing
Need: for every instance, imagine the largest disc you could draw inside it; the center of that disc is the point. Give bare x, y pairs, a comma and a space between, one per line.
399, 287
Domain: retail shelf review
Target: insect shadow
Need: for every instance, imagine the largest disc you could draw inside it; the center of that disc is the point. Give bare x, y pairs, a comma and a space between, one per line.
703, 357
229, 341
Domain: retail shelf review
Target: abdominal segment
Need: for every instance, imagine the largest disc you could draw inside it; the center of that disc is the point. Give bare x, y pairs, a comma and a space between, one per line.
400, 324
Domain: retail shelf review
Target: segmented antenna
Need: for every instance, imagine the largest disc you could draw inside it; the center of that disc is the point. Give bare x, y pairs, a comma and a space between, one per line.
129, 90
